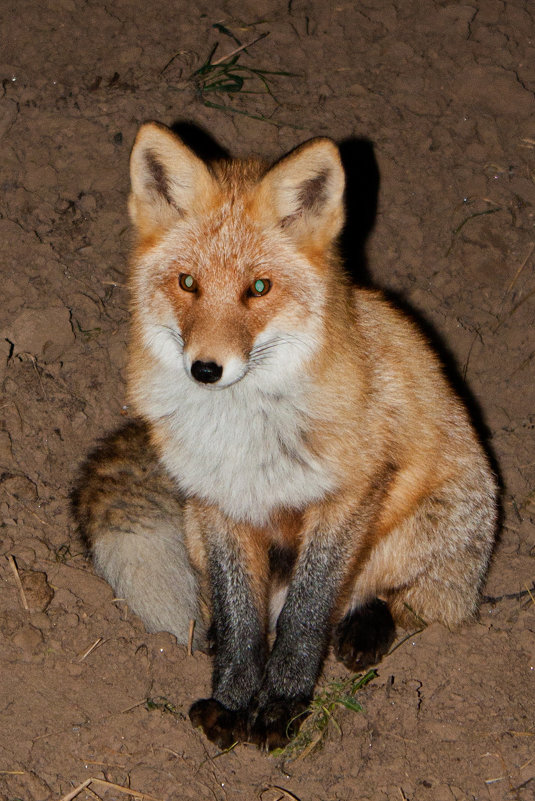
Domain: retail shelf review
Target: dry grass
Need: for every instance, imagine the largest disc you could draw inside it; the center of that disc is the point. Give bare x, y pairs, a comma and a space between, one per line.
321, 715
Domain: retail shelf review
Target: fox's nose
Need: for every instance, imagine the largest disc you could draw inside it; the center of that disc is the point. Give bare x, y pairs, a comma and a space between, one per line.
206, 372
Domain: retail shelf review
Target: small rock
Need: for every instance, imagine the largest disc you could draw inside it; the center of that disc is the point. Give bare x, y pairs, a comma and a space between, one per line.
44, 333
37, 590
41, 621
29, 639
87, 203
19, 487
71, 620
74, 669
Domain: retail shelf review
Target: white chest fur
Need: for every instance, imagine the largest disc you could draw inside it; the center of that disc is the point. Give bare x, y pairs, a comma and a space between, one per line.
244, 451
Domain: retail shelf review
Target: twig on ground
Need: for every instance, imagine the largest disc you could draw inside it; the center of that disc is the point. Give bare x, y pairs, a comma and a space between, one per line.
14, 568
190, 636
285, 793
117, 787
91, 648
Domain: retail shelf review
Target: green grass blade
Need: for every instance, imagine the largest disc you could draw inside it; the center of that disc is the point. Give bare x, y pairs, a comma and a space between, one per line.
222, 29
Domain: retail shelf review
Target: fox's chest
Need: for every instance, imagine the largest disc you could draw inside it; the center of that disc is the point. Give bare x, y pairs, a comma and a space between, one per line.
247, 458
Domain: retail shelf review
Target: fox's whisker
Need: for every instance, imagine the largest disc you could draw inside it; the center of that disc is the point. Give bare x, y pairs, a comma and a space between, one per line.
263, 350
174, 333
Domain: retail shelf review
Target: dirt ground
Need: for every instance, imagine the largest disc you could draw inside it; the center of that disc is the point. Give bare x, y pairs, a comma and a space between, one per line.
440, 98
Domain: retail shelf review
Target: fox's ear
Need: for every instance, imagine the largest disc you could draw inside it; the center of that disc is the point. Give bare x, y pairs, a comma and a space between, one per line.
304, 191
168, 180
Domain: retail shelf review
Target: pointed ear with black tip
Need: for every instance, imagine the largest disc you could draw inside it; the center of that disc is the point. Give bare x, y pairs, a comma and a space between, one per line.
168, 181
304, 193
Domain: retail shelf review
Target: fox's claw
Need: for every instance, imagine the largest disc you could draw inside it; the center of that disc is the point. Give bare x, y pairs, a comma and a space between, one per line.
222, 726
276, 724
271, 727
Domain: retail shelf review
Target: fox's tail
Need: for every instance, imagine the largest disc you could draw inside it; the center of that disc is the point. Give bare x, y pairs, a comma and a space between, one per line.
130, 513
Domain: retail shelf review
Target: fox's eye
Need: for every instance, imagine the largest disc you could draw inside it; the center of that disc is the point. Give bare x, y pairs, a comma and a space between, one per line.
259, 287
187, 282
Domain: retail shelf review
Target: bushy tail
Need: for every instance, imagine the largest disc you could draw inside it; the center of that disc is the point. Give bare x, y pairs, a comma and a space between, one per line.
131, 515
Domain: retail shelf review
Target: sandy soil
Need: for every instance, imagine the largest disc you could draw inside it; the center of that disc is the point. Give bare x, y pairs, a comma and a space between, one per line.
440, 98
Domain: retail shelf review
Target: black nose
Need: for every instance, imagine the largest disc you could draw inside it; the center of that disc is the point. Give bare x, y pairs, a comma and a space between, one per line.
206, 372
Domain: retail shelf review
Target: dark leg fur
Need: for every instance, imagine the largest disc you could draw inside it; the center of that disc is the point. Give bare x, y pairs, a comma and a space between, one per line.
272, 695
303, 631
239, 637
265, 706
238, 642
364, 635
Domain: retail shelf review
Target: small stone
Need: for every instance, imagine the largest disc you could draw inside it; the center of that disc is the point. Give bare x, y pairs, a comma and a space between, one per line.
44, 333
37, 590
74, 669
29, 639
41, 621
19, 487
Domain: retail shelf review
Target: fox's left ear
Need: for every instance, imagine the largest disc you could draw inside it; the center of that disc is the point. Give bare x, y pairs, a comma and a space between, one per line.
304, 193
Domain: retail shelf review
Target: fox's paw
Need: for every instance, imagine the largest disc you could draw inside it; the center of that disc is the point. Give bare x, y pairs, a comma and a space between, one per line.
221, 725
364, 635
274, 725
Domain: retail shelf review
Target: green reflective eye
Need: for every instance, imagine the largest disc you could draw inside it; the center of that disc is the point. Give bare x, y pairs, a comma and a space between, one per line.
187, 282
260, 287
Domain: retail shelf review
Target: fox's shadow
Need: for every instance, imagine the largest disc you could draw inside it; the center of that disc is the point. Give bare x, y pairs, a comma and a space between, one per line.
200, 141
361, 201
361, 198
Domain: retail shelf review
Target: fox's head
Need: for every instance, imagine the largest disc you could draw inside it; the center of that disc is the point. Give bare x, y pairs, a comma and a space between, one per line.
234, 261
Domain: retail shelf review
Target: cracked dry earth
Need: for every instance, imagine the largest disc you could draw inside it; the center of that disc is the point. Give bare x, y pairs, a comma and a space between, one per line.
443, 92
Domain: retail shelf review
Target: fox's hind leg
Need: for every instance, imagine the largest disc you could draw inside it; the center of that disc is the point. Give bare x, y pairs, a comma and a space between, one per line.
131, 515
430, 567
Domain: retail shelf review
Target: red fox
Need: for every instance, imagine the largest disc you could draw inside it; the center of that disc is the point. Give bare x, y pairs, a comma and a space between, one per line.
300, 462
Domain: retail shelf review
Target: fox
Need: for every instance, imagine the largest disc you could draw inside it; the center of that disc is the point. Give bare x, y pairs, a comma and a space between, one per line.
300, 473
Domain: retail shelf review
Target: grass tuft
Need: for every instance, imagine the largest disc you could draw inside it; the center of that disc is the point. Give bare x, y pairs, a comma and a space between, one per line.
321, 714
164, 705
227, 76
466, 220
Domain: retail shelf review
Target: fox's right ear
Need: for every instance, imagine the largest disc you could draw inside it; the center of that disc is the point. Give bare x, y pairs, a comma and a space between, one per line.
168, 180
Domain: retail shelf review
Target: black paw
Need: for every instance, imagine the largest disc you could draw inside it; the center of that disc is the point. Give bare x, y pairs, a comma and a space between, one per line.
221, 725
274, 725
364, 635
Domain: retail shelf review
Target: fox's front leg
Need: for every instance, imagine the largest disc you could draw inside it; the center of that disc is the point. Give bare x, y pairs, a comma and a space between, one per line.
304, 630
236, 566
